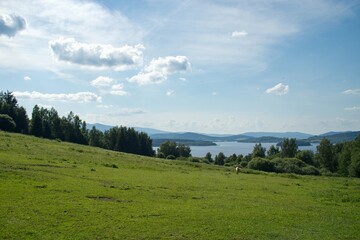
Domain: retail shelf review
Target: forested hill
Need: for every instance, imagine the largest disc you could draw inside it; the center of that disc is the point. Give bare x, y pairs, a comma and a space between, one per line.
336, 137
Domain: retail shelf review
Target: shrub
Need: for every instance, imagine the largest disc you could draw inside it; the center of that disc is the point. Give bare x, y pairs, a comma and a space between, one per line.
6, 123
288, 165
160, 155
243, 164
172, 157
306, 156
194, 159
261, 164
310, 170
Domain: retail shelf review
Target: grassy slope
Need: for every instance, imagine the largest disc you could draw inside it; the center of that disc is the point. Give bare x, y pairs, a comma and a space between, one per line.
52, 190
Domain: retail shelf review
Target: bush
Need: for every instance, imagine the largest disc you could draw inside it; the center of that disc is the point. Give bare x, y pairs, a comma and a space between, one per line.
194, 159
261, 164
306, 156
294, 165
172, 157
288, 165
310, 170
243, 164
6, 123
160, 155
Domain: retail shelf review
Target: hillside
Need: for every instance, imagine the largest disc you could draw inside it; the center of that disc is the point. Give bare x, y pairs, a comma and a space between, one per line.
58, 190
336, 137
297, 135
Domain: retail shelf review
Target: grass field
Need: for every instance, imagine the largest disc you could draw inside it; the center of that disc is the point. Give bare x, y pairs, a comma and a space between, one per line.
57, 190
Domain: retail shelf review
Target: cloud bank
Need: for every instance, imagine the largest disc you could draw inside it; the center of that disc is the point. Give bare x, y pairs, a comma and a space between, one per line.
10, 25
79, 97
97, 55
278, 89
159, 69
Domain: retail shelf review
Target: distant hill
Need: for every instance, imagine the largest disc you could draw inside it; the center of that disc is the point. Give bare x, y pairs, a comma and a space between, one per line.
336, 137
103, 128
198, 137
262, 140
250, 137
297, 135
99, 126
158, 142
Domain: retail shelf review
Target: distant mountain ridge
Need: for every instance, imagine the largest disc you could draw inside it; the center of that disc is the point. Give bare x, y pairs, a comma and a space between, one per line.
297, 135
103, 128
251, 137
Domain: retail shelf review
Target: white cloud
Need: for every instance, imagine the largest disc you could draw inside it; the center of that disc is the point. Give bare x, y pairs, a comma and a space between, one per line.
182, 79
214, 93
279, 89
118, 89
352, 109
352, 91
66, 97
27, 78
239, 34
97, 55
170, 92
159, 69
86, 21
102, 81
10, 25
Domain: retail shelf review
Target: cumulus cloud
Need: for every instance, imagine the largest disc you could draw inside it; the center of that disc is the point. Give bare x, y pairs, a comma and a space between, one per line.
118, 89
10, 25
80, 97
102, 81
97, 55
352, 91
27, 78
159, 69
239, 34
279, 89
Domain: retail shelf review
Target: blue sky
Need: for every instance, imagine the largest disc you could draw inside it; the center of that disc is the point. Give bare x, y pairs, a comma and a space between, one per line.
208, 66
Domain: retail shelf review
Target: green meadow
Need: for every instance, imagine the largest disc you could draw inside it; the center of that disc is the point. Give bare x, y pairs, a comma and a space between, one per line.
58, 190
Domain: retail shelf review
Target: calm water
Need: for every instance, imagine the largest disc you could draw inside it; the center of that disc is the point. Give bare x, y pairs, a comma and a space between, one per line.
229, 148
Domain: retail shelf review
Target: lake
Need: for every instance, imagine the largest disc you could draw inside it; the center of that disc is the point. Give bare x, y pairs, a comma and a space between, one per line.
229, 148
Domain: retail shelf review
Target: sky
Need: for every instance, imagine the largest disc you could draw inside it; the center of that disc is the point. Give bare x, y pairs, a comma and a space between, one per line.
207, 66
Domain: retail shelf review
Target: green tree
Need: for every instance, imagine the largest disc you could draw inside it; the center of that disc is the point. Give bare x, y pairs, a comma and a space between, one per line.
354, 167
10, 107
184, 150
96, 138
306, 156
208, 157
36, 127
258, 151
288, 148
168, 148
344, 158
273, 151
325, 155
220, 159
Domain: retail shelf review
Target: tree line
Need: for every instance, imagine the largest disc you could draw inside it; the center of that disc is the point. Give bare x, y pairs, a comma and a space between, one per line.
47, 123
341, 159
